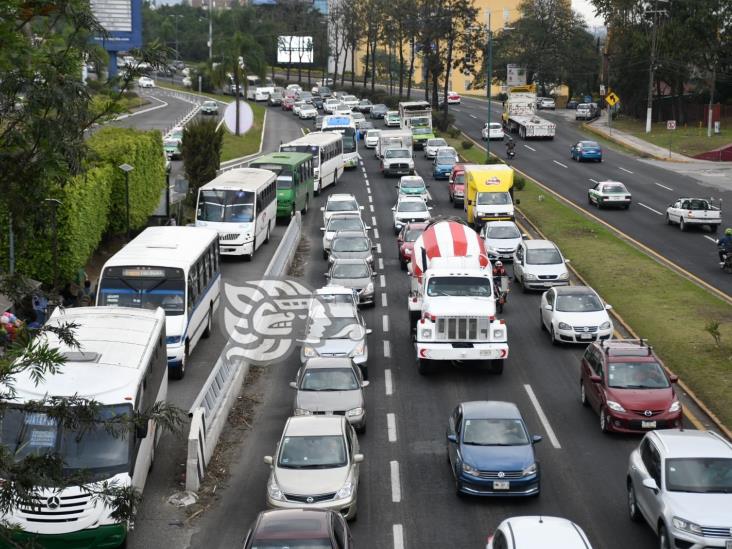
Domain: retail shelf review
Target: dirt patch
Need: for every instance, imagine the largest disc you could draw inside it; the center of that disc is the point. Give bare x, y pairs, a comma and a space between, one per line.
300, 261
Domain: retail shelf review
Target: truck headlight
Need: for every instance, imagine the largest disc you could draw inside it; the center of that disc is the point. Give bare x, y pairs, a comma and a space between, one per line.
615, 406
426, 333
274, 492
675, 406
564, 326
346, 490
686, 526
564, 276
467, 469
529, 276
530, 470
302, 412
353, 412
499, 334
309, 352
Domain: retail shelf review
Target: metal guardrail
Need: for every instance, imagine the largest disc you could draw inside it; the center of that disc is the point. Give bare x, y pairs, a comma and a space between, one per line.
282, 258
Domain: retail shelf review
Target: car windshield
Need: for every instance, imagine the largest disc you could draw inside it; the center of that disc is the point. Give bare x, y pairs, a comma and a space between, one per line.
350, 270
226, 206
636, 375
342, 206
412, 207
350, 244
350, 98
463, 286
364, 102
372, 133
436, 143
502, 232
412, 184
345, 224
493, 199
397, 153
446, 154
459, 179
329, 379
495, 432
412, 235
421, 131
209, 104
578, 303
614, 189
589, 145
543, 256
313, 452
583, 106
699, 475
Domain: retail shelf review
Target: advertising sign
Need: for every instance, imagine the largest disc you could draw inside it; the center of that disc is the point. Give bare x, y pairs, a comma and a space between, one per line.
515, 75
295, 49
122, 19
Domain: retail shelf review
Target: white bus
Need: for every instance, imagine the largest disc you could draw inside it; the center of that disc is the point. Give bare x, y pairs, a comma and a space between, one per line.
346, 126
241, 204
327, 151
121, 365
176, 268
258, 89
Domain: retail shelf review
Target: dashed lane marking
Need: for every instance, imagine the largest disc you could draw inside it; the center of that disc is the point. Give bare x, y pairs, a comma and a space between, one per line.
371, 207
381, 264
371, 199
387, 349
385, 323
649, 208
373, 221
559, 163
473, 116
391, 427
382, 281
627, 171
542, 417
595, 182
378, 246
383, 300
388, 383
663, 186
396, 489
530, 148
398, 533
376, 234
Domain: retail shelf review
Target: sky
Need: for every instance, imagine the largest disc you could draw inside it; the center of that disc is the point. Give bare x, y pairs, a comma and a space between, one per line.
585, 8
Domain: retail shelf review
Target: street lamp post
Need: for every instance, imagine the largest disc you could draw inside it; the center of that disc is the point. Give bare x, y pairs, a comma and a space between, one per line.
127, 169
488, 88
210, 30
175, 18
55, 203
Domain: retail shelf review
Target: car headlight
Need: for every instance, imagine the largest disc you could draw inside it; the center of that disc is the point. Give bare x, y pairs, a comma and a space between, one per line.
359, 350
346, 490
370, 258
686, 526
529, 276
426, 333
564, 276
309, 351
530, 470
302, 412
499, 334
274, 492
615, 406
606, 325
467, 469
353, 412
564, 326
369, 289
675, 406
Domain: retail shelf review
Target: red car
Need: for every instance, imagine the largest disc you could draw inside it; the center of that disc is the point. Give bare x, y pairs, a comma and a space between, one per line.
405, 241
299, 528
456, 185
626, 383
287, 103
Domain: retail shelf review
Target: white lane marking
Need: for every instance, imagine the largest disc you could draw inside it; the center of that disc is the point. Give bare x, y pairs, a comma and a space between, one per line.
387, 349
530, 148
559, 163
710, 238
388, 384
663, 186
473, 116
391, 427
376, 235
627, 171
385, 323
371, 207
396, 489
373, 221
368, 190
371, 199
398, 533
383, 300
649, 208
595, 182
382, 280
378, 246
381, 264
542, 417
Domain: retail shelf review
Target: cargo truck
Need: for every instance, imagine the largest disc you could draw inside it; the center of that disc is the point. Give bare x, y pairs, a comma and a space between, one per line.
519, 115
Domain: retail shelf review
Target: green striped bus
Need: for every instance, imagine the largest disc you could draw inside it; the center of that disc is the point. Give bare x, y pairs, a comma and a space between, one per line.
294, 180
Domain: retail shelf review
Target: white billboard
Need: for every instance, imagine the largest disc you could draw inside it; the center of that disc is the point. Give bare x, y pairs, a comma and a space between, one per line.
113, 15
295, 49
515, 75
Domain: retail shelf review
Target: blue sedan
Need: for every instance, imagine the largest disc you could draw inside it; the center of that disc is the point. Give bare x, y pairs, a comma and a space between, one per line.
586, 150
490, 451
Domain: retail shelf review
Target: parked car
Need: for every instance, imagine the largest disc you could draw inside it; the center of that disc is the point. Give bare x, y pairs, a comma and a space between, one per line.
538, 532
378, 111
490, 451
443, 162
391, 119
372, 138
341, 221
546, 103
409, 209
331, 386
609, 193
586, 150
299, 528
626, 384
574, 314
680, 483
430, 148
405, 241
210, 107
501, 239
339, 202
315, 465
145, 82
538, 264
357, 274
694, 211
397, 161
492, 131
413, 185
351, 245
364, 106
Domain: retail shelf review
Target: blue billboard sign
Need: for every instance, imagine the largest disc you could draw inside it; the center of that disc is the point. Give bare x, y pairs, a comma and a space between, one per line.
122, 19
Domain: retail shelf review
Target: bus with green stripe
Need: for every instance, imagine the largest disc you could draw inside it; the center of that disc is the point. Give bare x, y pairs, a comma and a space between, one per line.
294, 172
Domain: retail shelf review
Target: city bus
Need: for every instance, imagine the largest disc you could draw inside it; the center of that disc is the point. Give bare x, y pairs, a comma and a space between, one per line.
176, 268
327, 152
294, 180
241, 204
346, 126
120, 364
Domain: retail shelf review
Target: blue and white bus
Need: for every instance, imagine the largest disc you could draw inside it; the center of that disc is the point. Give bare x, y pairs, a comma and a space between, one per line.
176, 268
346, 126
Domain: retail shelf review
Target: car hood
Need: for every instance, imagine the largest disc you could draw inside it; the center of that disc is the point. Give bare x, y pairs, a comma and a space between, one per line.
642, 399
444, 165
594, 318
329, 401
553, 269
336, 347
703, 509
355, 283
498, 458
502, 243
350, 255
459, 306
307, 482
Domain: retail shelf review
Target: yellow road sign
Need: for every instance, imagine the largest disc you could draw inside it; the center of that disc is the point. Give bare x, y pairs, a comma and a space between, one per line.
611, 99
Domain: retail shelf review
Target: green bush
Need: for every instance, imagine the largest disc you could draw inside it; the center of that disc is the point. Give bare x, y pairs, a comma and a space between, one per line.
467, 144
519, 182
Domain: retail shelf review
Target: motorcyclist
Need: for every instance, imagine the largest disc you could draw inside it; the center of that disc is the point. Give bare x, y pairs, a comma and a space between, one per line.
510, 146
499, 272
725, 244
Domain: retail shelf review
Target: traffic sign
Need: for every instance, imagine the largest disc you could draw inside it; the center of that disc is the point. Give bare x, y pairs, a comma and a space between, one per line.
602, 89
611, 99
670, 124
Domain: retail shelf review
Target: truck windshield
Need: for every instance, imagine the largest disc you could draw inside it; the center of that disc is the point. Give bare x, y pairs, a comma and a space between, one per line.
92, 447
493, 199
468, 286
226, 206
396, 153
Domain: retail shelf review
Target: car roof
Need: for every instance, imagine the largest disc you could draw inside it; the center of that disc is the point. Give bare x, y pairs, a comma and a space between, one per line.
539, 244
501, 224
681, 443
347, 233
411, 178
487, 409
314, 426
612, 181
286, 524
417, 225
329, 362
620, 349
407, 198
547, 532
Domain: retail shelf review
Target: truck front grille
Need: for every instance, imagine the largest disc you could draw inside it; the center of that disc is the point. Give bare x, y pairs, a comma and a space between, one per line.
462, 328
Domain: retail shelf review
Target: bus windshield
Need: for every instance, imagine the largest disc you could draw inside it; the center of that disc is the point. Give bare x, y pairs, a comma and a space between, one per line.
94, 448
226, 206
144, 293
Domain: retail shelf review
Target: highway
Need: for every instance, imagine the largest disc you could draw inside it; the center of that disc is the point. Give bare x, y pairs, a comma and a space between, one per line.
653, 188
406, 494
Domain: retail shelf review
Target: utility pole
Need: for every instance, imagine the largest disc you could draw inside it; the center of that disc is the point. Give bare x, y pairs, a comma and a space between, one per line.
654, 45
489, 83
210, 30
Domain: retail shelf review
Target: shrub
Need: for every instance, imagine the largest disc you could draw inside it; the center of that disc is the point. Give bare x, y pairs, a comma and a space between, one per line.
453, 132
467, 144
519, 183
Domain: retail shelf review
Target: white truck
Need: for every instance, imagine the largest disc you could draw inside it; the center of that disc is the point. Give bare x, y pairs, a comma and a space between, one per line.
393, 139
519, 115
685, 212
452, 300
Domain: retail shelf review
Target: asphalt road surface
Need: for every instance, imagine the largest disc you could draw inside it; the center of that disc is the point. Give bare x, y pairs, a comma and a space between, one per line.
653, 188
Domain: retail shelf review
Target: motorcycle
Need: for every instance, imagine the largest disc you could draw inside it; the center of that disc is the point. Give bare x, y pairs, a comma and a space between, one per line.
510, 154
501, 288
726, 263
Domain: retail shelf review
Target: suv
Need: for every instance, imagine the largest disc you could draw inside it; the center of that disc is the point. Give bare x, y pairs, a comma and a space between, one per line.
539, 531
680, 482
585, 111
627, 384
397, 161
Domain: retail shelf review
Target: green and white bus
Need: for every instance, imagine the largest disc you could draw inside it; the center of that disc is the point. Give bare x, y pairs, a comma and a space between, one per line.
294, 180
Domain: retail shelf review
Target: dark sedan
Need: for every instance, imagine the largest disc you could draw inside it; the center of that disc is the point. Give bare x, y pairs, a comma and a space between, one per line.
378, 111
364, 106
299, 528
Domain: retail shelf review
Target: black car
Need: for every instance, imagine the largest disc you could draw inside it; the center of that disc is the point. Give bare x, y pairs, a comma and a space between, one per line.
317, 102
299, 528
364, 106
378, 111
324, 92
572, 104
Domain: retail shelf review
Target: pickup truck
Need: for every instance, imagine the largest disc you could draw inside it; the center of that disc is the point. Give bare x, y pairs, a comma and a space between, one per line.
694, 211
397, 161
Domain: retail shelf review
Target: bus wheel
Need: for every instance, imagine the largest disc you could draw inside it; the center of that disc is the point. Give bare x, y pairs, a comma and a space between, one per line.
266, 239
306, 207
209, 324
319, 189
179, 372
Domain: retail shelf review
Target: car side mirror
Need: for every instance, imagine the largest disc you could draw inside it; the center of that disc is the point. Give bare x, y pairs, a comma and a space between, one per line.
327, 275
673, 378
430, 208
374, 274
367, 227
293, 384
608, 307
365, 384
470, 202
548, 307
595, 379
452, 438
650, 484
268, 460
536, 439
428, 185
357, 458
393, 209
396, 186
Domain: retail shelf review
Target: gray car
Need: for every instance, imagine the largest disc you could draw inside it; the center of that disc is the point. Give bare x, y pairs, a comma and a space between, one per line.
351, 245
356, 274
346, 221
331, 386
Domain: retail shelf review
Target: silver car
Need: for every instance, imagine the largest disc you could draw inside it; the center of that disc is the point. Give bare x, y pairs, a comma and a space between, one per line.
315, 466
430, 148
356, 274
680, 482
501, 239
346, 221
351, 245
331, 386
539, 265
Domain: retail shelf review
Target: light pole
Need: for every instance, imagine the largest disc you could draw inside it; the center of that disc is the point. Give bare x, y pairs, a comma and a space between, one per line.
55, 203
654, 43
210, 30
127, 169
175, 18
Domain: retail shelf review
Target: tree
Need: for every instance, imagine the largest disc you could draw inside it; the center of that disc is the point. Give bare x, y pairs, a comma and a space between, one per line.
201, 151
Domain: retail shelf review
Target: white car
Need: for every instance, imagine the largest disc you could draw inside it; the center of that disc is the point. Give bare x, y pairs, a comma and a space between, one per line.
453, 98
413, 185
609, 193
495, 131
430, 148
574, 314
187, 82
296, 106
351, 101
546, 103
358, 118
694, 211
345, 221
145, 82
539, 265
294, 87
391, 118
330, 104
409, 209
315, 466
307, 111
501, 239
372, 138
583, 112
342, 110
538, 531
339, 202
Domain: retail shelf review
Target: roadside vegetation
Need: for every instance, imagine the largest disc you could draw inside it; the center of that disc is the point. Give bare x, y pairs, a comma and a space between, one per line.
247, 143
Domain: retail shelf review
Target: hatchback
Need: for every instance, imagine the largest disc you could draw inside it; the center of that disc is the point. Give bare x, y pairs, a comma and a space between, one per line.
574, 314
501, 239
299, 528
351, 245
372, 138
586, 150
443, 163
339, 203
344, 221
430, 148
356, 274
538, 532
538, 264
494, 130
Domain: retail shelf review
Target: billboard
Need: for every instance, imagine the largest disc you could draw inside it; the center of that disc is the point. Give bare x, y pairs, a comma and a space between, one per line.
122, 19
295, 49
515, 75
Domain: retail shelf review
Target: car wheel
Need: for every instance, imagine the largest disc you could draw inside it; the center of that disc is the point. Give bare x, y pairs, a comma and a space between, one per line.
325, 254
553, 337
627, 206
307, 205
364, 372
583, 395
541, 322
179, 372
682, 225
633, 511
604, 426
663, 538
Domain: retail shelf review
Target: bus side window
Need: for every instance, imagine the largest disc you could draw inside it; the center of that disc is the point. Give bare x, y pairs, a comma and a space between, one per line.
217, 256
259, 204
202, 274
192, 288
207, 262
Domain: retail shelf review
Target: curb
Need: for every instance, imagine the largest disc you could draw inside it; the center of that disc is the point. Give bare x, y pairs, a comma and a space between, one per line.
645, 154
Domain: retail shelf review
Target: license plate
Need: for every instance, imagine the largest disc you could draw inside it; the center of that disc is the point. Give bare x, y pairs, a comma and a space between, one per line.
486, 352
652, 425
501, 485
585, 336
